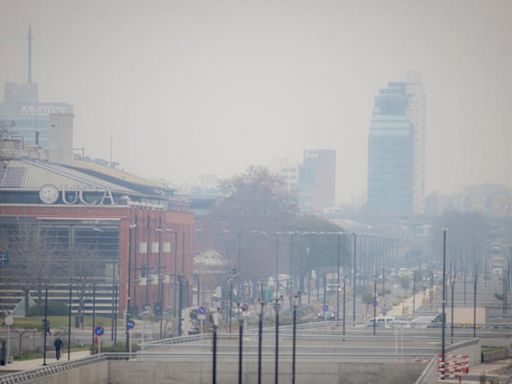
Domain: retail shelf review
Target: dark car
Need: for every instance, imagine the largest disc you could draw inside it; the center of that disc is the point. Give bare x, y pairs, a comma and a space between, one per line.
327, 315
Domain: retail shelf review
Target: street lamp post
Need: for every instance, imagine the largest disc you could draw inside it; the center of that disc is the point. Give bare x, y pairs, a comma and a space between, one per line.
354, 280
374, 305
70, 299
260, 336
242, 312
148, 251
294, 334
277, 307
159, 272
128, 290
413, 293
93, 311
454, 276
344, 302
215, 316
276, 282
474, 303
45, 327
443, 322
337, 279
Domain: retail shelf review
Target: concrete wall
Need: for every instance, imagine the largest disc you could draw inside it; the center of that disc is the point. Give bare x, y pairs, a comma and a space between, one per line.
96, 373
473, 348
329, 372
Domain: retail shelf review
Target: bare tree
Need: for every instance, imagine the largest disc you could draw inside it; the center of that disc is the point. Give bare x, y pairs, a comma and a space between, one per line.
84, 268
33, 258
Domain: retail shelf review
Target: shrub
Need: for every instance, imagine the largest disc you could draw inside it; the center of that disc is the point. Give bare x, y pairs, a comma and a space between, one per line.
54, 309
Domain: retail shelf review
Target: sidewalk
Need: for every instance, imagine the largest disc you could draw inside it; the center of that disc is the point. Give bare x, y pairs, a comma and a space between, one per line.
26, 365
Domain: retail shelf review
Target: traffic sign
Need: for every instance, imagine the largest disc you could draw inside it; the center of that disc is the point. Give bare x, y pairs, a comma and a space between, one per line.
325, 308
130, 324
9, 320
99, 331
201, 310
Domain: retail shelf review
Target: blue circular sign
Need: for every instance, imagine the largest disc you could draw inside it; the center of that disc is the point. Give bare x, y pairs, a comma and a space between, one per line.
99, 331
130, 324
201, 310
325, 307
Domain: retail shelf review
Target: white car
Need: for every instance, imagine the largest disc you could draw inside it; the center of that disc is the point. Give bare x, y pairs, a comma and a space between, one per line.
381, 321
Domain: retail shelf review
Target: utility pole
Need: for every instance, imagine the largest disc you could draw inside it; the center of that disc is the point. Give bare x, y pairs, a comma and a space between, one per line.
338, 278
354, 280
443, 323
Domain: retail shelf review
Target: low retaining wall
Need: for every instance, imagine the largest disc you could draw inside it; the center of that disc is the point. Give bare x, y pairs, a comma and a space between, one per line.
329, 372
89, 370
499, 353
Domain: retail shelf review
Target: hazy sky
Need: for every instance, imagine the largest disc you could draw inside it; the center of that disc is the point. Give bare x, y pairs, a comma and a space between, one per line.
212, 86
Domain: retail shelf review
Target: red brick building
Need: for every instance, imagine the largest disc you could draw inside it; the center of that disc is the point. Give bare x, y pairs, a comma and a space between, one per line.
138, 234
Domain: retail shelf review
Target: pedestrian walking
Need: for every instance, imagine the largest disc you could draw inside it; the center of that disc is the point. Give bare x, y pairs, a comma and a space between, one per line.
58, 344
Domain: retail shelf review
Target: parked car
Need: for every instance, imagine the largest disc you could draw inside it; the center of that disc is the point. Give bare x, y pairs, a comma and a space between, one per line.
327, 315
381, 321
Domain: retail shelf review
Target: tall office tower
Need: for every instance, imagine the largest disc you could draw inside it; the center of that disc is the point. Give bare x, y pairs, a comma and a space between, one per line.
317, 180
396, 149
32, 121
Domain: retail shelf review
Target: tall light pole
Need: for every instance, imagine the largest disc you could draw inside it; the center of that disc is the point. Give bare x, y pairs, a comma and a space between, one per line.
215, 317
148, 251
291, 283
374, 304
128, 290
294, 334
443, 322
454, 276
277, 307
242, 312
276, 282
337, 279
239, 266
159, 272
354, 279
260, 336
344, 306
474, 302
45, 326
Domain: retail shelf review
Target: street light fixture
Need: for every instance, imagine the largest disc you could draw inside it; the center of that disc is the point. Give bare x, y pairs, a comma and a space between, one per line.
128, 295
277, 308
260, 336
354, 267
215, 317
443, 320
294, 338
242, 311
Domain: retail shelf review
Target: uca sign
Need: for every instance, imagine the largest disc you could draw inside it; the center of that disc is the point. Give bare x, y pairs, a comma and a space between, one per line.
49, 194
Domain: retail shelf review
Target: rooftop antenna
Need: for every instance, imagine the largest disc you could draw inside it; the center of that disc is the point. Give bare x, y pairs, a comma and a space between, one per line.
111, 146
29, 39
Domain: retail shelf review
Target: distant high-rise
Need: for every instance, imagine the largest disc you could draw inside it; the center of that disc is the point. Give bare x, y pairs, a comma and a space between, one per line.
396, 149
46, 125
317, 180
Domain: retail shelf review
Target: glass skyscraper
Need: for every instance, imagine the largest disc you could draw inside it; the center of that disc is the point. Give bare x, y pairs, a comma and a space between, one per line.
396, 149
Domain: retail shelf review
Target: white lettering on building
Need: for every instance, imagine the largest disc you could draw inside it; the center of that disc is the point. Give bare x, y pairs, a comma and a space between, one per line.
43, 110
85, 196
